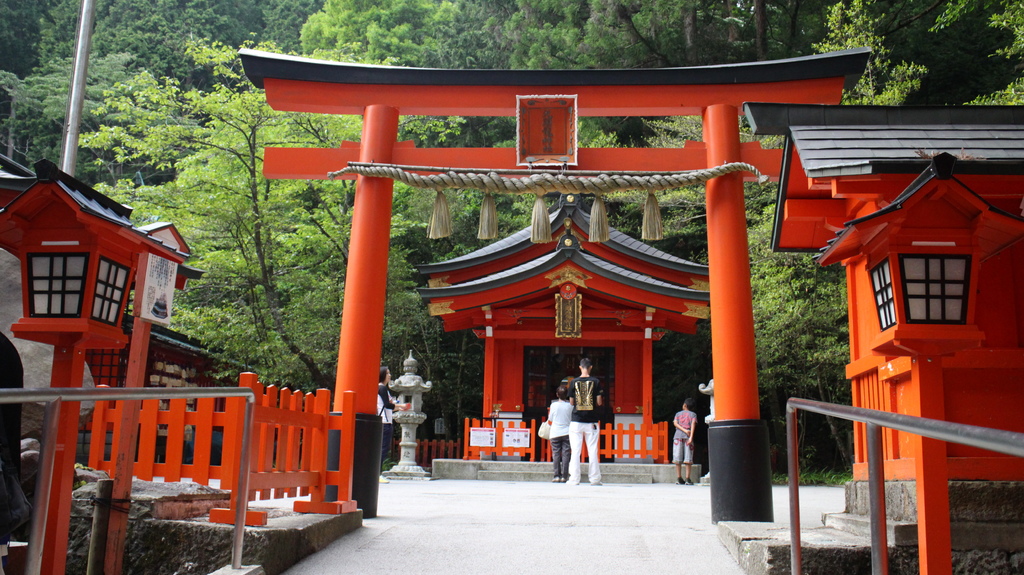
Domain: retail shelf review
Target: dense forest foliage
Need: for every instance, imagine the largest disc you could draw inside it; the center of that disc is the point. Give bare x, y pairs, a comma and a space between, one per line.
173, 128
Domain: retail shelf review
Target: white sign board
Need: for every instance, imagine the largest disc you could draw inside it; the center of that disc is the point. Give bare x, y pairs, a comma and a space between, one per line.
157, 290
516, 438
481, 437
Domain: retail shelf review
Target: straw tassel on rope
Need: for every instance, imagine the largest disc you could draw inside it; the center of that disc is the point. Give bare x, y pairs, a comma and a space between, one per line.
488, 229
540, 182
441, 220
540, 224
651, 228
598, 221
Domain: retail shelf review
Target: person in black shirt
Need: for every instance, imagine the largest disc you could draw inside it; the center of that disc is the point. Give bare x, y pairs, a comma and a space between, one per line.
585, 395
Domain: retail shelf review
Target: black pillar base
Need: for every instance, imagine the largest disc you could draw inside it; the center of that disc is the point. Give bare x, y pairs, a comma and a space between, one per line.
741, 473
365, 462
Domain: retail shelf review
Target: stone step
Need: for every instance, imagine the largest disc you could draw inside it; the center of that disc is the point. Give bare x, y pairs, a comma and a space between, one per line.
964, 535
764, 549
897, 532
513, 475
542, 471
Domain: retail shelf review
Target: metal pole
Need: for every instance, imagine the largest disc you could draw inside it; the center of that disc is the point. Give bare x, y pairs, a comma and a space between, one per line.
793, 456
876, 488
76, 93
44, 481
242, 497
47, 456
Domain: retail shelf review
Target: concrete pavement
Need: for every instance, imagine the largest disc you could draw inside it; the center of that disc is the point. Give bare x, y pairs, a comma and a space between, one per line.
454, 527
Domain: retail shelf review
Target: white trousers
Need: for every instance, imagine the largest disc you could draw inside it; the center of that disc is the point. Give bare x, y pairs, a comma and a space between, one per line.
592, 432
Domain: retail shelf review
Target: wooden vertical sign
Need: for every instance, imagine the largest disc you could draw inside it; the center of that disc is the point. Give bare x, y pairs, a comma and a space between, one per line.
546, 130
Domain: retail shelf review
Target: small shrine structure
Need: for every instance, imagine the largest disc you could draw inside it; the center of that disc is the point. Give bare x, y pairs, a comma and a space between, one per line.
924, 207
80, 258
541, 307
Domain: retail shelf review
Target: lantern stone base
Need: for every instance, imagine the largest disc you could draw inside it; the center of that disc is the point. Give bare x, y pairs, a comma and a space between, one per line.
407, 472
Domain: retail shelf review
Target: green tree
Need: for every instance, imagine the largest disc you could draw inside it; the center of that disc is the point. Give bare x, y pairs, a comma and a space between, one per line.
34, 120
800, 322
275, 250
394, 31
19, 34
853, 25
1010, 20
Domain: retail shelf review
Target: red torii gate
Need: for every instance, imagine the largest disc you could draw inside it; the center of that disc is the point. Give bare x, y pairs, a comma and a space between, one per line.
742, 487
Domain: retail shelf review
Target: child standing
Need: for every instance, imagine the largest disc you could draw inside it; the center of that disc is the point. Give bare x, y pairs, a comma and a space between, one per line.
682, 443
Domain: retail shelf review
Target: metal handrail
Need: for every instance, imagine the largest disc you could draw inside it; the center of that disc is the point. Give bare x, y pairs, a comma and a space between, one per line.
998, 440
44, 479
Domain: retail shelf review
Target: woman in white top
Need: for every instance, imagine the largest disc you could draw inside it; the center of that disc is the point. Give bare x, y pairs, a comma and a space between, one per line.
559, 415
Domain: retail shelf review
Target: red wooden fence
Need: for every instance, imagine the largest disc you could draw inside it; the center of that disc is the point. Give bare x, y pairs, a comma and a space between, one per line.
639, 441
202, 440
499, 448
427, 450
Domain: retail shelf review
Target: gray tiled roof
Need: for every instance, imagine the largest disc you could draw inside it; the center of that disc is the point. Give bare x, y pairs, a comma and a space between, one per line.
552, 260
856, 140
521, 240
853, 150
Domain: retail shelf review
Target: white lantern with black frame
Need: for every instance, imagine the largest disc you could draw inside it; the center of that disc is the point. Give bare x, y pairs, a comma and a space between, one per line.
57, 284
933, 289
58, 281
111, 288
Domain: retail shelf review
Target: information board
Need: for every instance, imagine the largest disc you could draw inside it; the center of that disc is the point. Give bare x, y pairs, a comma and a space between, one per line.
481, 437
516, 438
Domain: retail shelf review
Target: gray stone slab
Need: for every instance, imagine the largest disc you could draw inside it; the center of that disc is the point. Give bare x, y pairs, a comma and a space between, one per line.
542, 471
244, 570
897, 532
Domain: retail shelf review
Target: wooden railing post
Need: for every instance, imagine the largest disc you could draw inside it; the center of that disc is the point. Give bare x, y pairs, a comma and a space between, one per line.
231, 454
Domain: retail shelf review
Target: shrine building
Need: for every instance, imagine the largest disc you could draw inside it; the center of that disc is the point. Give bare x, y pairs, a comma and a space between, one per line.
924, 207
541, 307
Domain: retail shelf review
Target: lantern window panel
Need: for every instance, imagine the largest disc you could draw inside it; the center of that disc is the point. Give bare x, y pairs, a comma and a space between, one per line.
111, 283
881, 283
935, 288
56, 283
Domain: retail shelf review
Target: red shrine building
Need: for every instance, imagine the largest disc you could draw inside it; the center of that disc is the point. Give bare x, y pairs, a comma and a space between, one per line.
923, 207
541, 307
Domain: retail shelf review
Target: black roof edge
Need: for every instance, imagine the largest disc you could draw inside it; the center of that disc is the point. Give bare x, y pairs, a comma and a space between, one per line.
770, 118
550, 262
189, 272
47, 171
260, 65
780, 198
15, 168
528, 269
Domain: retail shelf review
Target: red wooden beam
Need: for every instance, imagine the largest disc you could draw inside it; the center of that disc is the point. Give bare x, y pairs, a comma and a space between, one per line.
635, 100
316, 163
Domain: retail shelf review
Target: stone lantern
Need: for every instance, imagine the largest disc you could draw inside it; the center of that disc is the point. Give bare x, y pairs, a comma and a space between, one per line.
410, 389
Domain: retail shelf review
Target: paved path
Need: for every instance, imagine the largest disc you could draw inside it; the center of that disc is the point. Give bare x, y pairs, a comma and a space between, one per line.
455, 527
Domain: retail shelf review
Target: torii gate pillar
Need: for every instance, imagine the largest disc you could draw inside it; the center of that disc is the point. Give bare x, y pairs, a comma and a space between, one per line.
363, 309
738, 440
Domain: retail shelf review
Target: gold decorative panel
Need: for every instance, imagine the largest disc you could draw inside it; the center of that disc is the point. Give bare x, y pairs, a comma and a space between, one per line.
440, 307
569, 315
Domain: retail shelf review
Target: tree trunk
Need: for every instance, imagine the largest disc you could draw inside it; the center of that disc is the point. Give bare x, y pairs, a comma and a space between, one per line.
690, 33
841, 439
761, 26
